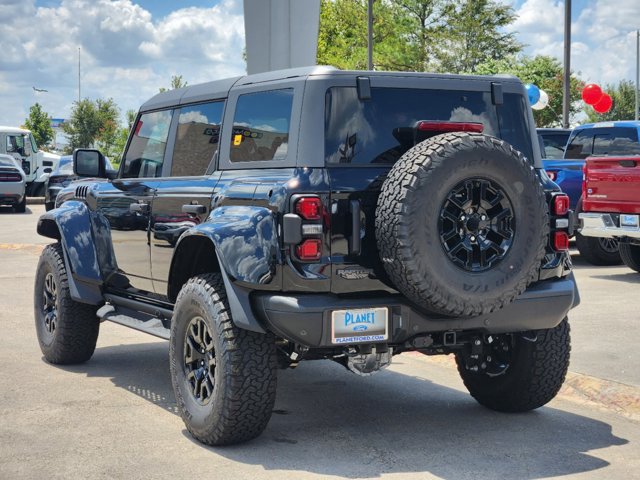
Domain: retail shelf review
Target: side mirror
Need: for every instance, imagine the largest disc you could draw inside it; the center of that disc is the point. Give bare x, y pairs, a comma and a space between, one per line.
88, 162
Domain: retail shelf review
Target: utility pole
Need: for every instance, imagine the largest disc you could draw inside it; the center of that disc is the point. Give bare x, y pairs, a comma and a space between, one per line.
637, 70
78, 74
566, 97
370, 37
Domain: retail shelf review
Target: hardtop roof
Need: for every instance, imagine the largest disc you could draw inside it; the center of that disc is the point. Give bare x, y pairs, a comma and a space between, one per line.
220, 88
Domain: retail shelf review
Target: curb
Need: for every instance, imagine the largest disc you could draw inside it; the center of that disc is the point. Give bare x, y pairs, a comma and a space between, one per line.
578, 388
35, 200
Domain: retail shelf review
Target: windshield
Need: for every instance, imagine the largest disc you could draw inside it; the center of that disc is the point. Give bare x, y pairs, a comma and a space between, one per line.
375, 131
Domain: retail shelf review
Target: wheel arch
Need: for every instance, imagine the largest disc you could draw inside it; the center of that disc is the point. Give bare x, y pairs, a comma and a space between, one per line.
71, 225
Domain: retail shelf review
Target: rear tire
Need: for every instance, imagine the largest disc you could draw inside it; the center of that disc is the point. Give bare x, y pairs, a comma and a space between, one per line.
67, 330
224, 378
630, 255
598, 251
533, 377
22, 206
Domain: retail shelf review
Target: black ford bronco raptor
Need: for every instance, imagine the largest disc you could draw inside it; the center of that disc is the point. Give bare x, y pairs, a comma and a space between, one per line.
318, 214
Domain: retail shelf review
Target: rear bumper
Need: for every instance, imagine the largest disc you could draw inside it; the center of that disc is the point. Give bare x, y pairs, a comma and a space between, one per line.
605, 225
306, 318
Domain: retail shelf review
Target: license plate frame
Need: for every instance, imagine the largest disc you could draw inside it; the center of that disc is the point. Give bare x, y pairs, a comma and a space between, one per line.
359, 325
629, 221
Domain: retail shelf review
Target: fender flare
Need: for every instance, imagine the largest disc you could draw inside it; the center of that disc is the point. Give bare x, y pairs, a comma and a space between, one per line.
245, 242
71, 225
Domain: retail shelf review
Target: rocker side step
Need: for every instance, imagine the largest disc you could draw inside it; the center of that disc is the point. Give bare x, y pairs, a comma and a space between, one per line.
137, 320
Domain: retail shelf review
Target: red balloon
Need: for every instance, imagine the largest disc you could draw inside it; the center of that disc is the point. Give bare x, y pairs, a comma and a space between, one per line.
591, 94
604, 104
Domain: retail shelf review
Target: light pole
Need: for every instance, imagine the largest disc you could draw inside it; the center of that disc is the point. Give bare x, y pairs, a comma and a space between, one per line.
566, 97
637, 70
370, 36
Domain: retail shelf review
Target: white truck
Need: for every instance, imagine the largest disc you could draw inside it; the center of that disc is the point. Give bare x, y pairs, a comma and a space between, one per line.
37, 164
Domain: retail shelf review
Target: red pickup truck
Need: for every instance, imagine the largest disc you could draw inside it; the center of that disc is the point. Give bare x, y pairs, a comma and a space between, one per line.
611, 203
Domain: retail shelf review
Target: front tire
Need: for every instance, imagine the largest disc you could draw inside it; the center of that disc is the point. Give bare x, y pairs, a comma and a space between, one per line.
224, 378
532, 369
630, 255
67, 330
599, 251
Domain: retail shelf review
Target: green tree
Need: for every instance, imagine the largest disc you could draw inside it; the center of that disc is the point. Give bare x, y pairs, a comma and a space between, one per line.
624, 103
122, 137
176, 82
93, 123
546, 73
39, 122
416, 35
474, 33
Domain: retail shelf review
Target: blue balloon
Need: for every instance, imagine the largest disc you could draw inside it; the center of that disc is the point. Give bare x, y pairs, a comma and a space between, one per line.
533, 93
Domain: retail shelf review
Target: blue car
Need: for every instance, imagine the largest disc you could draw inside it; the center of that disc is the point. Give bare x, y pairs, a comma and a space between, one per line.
592, 139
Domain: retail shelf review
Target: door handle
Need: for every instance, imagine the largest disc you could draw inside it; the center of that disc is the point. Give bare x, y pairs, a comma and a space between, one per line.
194, 209
139, 207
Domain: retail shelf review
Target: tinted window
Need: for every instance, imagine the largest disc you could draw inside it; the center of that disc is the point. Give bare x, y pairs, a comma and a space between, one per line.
581, 145
554, 144
145, 154
616, 141
261, 126
380, 130
197, 138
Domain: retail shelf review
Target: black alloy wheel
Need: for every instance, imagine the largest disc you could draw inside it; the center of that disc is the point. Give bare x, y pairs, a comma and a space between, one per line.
476, 224
49, 308
609, 245
199, 360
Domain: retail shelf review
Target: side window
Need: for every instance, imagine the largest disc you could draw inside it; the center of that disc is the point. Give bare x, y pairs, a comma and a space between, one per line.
580, 146
261, 126
145, 154
197, 138
15, 144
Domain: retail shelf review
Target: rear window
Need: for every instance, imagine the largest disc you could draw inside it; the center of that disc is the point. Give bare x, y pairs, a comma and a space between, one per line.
373, 132
603, 141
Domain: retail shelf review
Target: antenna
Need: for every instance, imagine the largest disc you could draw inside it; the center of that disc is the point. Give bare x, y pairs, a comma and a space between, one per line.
78, 74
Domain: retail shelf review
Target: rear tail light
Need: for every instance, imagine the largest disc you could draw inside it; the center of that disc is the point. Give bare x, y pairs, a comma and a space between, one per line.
560, 204
560, 241
309, 208
309, 250
10, 177
443, 127
552, 174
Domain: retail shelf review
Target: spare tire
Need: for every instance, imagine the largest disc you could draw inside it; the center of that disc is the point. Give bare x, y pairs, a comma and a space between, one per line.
462, 224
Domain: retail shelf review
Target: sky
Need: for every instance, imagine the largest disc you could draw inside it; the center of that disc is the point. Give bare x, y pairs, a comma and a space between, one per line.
131, 48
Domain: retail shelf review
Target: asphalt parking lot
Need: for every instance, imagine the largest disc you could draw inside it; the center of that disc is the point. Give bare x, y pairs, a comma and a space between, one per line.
115, 416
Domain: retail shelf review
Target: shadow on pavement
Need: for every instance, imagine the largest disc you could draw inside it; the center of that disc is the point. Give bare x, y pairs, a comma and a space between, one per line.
330, 422
9, 210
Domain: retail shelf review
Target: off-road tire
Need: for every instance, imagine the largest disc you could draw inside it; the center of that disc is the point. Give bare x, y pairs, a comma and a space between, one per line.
630, 255
244, 386
534, 376
409, 209
592, 250
74, 337
22, 206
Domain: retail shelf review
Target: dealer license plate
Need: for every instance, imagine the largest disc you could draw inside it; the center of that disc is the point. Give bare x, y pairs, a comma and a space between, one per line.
361, 325
629, 221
